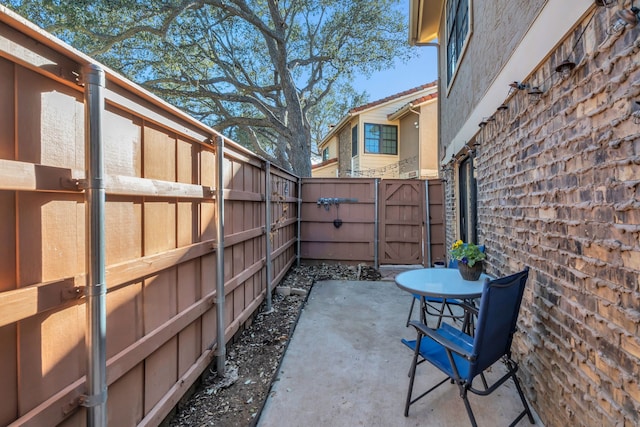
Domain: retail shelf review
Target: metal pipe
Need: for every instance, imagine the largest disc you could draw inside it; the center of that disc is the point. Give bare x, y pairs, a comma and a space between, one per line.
96, 323
220, 338
299, 221
268, 224
427, 221
375, 223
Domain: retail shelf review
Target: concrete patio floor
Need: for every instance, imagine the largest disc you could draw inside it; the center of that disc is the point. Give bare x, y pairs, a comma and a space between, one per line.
345, 366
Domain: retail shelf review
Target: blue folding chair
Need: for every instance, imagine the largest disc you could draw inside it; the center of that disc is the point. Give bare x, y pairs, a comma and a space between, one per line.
462, 357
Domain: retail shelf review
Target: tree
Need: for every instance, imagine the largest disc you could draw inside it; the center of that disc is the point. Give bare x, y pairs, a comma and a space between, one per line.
256, 69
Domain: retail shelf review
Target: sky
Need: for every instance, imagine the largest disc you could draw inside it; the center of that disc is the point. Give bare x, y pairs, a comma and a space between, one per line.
418, 71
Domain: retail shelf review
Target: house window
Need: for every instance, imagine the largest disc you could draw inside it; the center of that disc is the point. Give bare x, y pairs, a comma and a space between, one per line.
457, 31
467, 191
325, 154
354, 141
380, 139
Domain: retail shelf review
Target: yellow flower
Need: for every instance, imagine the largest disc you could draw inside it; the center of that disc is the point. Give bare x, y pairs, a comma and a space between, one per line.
457, 244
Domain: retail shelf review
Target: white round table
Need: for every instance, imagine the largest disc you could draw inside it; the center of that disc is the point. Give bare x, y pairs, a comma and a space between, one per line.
440, 282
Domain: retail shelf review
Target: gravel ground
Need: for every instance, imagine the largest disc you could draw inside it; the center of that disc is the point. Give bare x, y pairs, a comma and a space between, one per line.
252, 361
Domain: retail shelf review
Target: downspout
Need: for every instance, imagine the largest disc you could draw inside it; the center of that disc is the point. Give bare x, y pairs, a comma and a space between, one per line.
419, 150
220, 318
95, 292
441, 151
299, 221
268, 235
427, 221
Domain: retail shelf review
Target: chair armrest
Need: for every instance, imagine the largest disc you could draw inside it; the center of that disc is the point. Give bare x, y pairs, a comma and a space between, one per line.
443, 337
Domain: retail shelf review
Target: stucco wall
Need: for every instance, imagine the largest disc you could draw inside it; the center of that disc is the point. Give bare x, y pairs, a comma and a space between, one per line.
408, 144
494, 23
429, 140
558, 191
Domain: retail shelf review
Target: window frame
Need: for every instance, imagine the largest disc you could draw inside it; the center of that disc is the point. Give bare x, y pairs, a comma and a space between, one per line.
325, 154
381, 139
468, 201
452, 60
354, 141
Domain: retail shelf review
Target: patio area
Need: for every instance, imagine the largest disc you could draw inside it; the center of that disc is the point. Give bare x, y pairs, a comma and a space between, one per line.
345, 366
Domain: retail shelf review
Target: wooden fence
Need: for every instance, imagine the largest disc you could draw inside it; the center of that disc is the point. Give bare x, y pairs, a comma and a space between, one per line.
162, 269
373, 221
161, 227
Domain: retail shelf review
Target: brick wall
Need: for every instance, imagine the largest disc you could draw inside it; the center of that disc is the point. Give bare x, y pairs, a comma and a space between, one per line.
558, 190
450, 206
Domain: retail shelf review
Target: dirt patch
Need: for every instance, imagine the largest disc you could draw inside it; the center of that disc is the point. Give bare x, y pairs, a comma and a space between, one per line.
237, 399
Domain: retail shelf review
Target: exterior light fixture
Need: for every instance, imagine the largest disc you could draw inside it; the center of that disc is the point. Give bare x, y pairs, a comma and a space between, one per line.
565, 68
486, 120
624, 18
606, 3
535, 94
519, 85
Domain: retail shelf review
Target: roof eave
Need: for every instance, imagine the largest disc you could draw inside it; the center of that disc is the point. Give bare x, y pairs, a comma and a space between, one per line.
424, 20
335, 129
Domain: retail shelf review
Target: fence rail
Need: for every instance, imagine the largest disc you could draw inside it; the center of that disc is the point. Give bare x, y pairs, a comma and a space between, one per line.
161, 216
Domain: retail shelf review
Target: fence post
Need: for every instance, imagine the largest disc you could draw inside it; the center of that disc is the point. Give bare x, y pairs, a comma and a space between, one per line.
96, 324
376, 224
220, 298
267, 220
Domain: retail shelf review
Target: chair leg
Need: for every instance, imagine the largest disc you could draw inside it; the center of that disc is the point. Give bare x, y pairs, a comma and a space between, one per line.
413, 301
527, 410
412, 375
467, 405
441, 313
450, 311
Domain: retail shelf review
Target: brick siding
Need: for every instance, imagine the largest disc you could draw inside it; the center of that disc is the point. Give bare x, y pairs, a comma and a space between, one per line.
558, 190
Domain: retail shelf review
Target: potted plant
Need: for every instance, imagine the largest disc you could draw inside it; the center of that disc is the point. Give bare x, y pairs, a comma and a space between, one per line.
469, 257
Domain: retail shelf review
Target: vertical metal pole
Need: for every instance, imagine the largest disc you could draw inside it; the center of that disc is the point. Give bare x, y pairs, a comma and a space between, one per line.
299, 221
96, 322
427, 209
220, 338
268, 224
376, 223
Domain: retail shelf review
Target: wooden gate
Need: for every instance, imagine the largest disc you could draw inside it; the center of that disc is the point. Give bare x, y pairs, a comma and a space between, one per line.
402, 219
409, 220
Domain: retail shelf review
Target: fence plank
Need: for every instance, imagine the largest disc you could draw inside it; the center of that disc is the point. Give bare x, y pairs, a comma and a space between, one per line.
161, 230
143, 267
